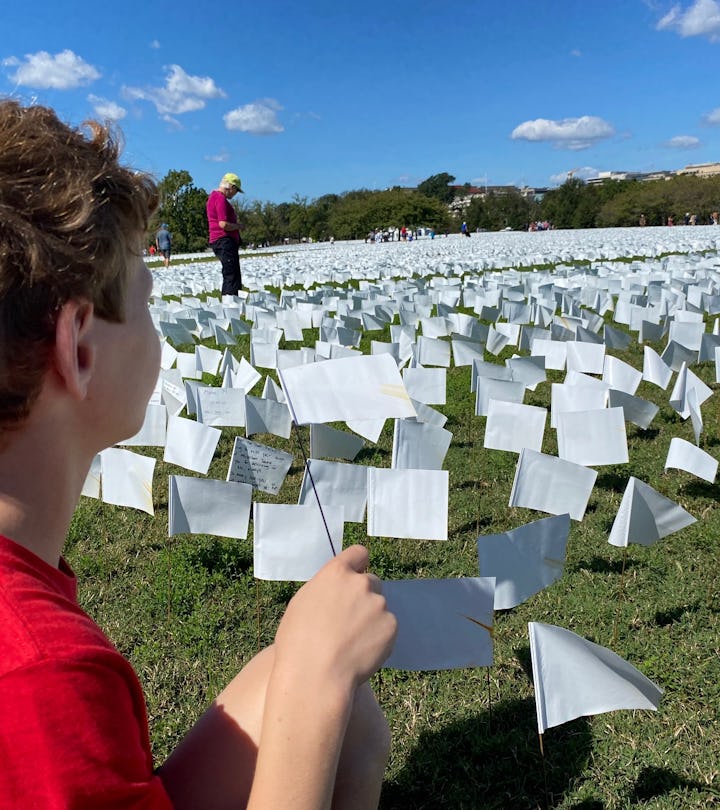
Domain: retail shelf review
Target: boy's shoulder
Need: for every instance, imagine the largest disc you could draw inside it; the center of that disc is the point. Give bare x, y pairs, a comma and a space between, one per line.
40, 618
73, 722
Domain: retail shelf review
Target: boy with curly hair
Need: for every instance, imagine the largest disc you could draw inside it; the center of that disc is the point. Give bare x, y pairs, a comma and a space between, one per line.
79, 357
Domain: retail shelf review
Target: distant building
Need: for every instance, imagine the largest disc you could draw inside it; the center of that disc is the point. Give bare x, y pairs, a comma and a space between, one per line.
464, 195
701, 169
533, 194
641, 177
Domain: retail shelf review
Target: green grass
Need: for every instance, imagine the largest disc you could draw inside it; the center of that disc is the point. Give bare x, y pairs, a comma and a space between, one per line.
188, 613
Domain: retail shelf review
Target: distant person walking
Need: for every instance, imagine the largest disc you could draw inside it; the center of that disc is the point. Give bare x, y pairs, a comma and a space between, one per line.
163, 243
224, 231
464, 229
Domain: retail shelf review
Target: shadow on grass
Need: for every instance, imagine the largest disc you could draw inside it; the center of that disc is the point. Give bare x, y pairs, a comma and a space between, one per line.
470, 444
371, 453
600, 565
491, 760
700, 489
473, 527
655, 782
612, 481
663, 618
478, 484
220, 556
648, 435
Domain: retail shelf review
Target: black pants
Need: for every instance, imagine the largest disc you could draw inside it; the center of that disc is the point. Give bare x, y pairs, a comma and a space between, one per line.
226, 249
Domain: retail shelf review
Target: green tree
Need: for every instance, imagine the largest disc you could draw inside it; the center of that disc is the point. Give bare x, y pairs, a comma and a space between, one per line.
298, 218
182, 207
437, 187
497, 211
356, 213
660, 199
319, 211
261, 222
560, 204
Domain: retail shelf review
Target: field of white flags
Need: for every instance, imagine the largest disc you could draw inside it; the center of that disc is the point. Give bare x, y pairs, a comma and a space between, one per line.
521, 427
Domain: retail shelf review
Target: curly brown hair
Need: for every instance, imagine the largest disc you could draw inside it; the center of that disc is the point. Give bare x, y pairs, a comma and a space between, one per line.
69, 214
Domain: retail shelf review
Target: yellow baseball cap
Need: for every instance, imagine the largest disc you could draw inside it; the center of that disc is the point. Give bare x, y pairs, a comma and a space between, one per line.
233, 180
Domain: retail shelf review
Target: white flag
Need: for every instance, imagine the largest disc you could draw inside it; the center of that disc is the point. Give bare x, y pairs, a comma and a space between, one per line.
576, 678
524, 560
645, 516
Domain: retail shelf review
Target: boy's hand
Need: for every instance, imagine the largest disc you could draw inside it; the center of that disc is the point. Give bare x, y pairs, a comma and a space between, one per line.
337, 625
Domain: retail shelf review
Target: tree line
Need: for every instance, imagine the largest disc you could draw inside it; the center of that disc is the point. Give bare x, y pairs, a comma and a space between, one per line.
354, 214
351, 215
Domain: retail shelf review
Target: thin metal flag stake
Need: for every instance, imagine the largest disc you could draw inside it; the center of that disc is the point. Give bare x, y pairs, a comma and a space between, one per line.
257, 600
544, 771
306, 461
169, 579
312, 481
621, 593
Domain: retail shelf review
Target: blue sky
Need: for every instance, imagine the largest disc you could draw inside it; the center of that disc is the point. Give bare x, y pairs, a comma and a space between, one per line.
324, 96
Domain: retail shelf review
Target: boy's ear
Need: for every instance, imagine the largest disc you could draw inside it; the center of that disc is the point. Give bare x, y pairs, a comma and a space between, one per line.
75, 352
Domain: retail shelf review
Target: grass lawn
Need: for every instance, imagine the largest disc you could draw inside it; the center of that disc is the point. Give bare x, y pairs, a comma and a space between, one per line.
188, 613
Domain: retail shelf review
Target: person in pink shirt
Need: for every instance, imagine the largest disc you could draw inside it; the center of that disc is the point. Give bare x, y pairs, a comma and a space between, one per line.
224, 231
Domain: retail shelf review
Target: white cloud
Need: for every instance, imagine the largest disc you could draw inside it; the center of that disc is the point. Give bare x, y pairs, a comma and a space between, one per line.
258, 118
63, 71
568, 133
582, 173
173, 123
576, 52
221, 157
701, 19
182, 93
669, 20
155, 44
713, 117
107, 109
683, 142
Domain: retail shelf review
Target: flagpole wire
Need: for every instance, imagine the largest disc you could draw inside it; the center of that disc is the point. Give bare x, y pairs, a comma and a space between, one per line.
544, 772
489, 698
307, 463
312, 483
621, 592
257, 600
169, 579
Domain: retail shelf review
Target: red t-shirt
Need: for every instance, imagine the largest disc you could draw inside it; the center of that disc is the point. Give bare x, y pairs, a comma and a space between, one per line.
220, 210
73, 724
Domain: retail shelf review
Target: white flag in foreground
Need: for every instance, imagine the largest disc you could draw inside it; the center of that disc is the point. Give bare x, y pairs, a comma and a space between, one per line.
442, 623
576, 678
366, 387
685, 456
524, 560
208, 506
290, 543
127, 479
645, 516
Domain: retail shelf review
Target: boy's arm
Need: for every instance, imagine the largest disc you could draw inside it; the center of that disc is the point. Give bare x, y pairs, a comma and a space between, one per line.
275, 733
335, 634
